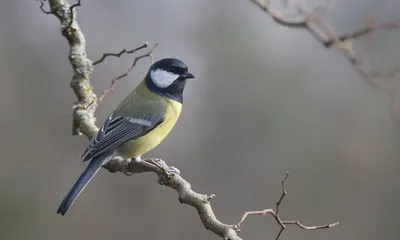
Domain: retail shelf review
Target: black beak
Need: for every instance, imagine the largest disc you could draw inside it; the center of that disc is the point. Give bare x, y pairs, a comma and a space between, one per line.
187, 75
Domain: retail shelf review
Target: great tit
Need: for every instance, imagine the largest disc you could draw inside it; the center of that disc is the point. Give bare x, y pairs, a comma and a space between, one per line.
140, 122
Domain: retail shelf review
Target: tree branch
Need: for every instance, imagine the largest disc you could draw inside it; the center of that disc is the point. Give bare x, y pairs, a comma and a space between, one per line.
278, 17
114, 80
105, 55
278, 219
42, 7
84, 122
201, 202
83, 116
325, 34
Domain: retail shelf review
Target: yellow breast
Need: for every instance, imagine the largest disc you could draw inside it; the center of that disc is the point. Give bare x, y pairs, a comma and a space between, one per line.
142, 145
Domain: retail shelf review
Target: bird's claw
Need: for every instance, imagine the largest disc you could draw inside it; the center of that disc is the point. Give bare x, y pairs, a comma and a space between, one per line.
168, 171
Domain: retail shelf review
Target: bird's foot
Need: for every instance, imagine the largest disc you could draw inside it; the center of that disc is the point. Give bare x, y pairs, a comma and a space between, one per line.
168, 171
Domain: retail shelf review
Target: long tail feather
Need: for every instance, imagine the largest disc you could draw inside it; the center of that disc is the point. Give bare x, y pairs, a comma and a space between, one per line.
91, 170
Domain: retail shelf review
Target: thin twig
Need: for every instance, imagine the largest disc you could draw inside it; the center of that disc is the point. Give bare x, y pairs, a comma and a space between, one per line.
386, 75
71, 13
114, 80
310, 227
324, 33
42, 7
105, 55
284, 192
363, 32
277, 218
277, 17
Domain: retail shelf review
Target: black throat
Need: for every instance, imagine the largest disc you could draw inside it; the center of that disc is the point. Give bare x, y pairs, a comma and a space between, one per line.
173, 91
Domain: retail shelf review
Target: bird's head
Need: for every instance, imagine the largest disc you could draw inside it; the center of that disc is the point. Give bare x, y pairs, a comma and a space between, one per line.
168, 77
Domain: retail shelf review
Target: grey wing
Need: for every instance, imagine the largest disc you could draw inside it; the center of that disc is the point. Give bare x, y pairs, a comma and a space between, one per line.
117, 130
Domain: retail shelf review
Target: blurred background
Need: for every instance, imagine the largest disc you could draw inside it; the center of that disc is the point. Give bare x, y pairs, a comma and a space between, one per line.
267, 100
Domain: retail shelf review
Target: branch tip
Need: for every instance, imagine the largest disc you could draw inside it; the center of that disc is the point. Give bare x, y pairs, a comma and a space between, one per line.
115, 79
277, 218
119, 54
326, 35
284, 193
42, 7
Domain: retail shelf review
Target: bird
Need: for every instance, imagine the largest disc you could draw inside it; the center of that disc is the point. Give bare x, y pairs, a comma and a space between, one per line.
139, 123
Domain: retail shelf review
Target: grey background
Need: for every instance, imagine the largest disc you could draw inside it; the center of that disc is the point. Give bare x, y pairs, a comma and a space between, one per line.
266, 100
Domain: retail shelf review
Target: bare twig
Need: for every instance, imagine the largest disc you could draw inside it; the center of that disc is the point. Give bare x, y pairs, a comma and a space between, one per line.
277, 16
322, 31
284, 192
114, 80
386, 75
276, 216
42, 7
105, 55
71, 13
363, 32
311, 227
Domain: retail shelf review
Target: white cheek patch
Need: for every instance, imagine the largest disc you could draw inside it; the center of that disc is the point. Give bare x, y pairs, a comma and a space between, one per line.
163, 79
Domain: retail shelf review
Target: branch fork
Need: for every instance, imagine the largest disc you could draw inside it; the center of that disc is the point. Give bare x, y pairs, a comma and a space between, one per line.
325, 34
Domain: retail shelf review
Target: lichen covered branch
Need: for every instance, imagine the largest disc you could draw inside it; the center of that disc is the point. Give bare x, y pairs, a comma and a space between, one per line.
83, 113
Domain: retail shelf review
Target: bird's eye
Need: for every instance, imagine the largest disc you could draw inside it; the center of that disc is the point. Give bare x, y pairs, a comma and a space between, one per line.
173, 70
